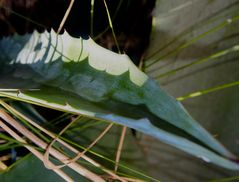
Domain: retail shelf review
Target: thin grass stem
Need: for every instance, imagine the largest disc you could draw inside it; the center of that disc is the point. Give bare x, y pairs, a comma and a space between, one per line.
92, 18
201, 24
111, 26
203, 60
209, 90
195, 39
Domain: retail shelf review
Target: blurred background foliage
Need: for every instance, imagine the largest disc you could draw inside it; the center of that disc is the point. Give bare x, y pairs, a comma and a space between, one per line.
186, 32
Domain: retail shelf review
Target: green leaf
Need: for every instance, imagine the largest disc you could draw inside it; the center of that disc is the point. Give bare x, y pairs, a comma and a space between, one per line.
31, 168
78, 76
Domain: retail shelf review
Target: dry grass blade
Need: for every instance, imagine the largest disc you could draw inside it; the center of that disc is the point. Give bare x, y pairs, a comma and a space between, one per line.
2, 166
111, 26
65, 16
46, 155
119, 150
79, 155
15, 112
61, 157
127, 179
5, 157
32, 150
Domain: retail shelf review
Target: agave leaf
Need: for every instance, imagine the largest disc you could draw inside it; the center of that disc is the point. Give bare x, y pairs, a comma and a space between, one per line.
77, 75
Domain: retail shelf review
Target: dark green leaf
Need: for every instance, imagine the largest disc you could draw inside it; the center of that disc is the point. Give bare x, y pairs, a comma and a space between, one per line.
78, 76
30, 169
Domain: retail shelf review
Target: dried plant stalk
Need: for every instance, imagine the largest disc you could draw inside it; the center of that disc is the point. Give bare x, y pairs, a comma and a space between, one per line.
33, 150
15, 112
61, 157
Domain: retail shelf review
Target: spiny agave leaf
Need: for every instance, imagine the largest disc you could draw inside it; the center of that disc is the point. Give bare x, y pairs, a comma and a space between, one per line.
77, 75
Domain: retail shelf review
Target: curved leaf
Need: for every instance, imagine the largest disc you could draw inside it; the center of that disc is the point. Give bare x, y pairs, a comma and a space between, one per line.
78, 76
